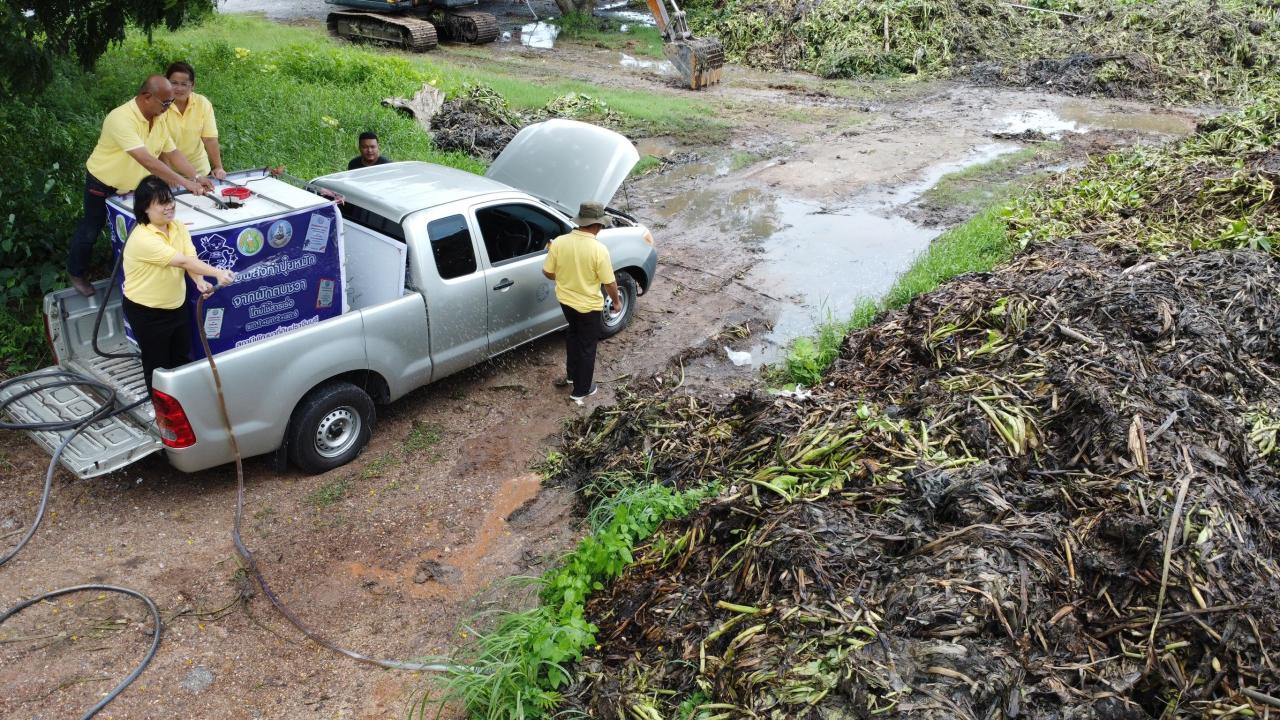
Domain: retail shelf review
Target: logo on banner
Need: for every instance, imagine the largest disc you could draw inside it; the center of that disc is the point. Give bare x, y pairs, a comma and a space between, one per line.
280, 234
324, 298
215, 251
250, 241
122, 230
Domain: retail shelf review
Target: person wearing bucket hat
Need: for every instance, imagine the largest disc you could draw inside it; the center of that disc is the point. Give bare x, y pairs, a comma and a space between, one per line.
580, 265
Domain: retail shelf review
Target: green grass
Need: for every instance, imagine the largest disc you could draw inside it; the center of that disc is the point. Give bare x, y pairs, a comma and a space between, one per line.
646, 165
422, 436
328, 494
987, 183
974, 246
379, 467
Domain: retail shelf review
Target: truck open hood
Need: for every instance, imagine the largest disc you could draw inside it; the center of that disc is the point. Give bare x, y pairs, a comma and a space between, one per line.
566, 163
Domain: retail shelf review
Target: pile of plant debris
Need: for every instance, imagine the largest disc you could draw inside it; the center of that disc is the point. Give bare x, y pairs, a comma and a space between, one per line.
1172, 49
479, 122
1049, 491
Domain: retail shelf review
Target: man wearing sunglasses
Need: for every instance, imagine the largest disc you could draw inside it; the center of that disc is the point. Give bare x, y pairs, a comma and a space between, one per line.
135, 142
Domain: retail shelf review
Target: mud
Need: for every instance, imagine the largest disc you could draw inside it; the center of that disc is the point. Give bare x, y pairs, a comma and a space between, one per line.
420, 540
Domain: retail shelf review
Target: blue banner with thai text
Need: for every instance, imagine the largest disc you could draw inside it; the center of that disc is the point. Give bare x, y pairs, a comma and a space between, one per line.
288, 275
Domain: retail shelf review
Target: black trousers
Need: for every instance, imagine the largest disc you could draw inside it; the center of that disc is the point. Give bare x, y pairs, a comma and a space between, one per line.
80, 253
164, 336
580, 347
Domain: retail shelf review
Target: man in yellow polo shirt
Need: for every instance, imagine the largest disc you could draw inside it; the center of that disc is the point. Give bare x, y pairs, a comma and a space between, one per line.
579, 264
135, 142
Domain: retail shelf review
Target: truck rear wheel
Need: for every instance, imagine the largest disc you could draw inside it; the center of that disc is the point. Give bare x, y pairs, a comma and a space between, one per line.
330, 427
628, 291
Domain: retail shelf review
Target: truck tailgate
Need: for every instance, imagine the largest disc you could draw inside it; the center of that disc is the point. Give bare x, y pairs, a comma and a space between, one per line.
105, 446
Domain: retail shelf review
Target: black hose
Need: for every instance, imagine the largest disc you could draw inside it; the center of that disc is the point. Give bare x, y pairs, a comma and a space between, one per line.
250, 564
77, 426
102, 309
156, 633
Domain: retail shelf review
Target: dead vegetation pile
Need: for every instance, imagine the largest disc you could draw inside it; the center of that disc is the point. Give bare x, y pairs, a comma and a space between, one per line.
1050, 491
478, 121
1172, 49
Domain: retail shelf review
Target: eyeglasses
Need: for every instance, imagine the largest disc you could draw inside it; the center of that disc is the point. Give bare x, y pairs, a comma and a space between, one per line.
166, 103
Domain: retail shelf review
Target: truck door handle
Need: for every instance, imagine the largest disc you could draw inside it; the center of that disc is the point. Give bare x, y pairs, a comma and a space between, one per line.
506, 283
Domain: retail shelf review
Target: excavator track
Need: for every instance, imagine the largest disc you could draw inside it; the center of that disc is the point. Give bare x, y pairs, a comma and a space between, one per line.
408, 33
469, 26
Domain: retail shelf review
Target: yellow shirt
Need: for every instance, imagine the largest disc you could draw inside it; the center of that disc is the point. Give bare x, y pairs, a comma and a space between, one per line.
581, 265
188, 128
148, 278
125, 129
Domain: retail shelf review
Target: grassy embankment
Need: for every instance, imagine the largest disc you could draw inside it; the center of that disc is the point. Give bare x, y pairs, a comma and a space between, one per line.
284, 95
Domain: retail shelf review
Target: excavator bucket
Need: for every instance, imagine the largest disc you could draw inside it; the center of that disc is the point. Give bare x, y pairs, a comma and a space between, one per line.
698, 60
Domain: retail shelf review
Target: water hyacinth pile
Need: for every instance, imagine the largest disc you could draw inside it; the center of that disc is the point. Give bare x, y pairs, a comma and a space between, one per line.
1047, 491
1171, 49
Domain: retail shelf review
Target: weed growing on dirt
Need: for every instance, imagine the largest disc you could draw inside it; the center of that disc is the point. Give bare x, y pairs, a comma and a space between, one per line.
989, 183
422, 436
379, 467
328, 494
550, 466
808, 357
646, 165
518, 669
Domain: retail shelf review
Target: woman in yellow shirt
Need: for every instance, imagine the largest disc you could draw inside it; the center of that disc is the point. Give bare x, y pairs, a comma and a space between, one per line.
195, 131
157, 255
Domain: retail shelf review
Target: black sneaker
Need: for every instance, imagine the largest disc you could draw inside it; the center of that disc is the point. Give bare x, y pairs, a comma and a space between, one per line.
579, 398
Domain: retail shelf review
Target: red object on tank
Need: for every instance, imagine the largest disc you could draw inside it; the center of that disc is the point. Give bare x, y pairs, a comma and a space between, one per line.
237, 193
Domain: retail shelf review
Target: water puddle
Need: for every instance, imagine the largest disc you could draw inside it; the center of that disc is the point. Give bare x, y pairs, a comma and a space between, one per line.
618, 11
1040, 120
820, 262
658, 66
825, 262
1080, 117
746, 216
1161, 123
655, 146
539, 35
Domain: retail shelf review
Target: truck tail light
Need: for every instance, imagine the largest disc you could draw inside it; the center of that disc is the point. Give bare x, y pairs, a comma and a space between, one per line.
175, 430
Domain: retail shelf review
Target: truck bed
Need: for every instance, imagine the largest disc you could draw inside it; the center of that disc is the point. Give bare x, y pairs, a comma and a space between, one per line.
109, 444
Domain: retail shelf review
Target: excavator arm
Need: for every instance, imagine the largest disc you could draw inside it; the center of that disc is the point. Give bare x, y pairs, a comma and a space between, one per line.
699, 60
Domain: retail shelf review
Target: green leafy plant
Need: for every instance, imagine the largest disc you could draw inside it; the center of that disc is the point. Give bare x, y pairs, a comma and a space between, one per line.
517, 669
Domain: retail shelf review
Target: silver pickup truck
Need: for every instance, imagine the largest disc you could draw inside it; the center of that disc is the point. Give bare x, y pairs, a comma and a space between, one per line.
473, 289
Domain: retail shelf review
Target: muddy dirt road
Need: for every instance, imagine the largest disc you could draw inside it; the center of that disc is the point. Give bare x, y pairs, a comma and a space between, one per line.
809, 205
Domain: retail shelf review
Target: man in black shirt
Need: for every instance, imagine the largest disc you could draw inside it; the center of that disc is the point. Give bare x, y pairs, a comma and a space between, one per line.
369, 153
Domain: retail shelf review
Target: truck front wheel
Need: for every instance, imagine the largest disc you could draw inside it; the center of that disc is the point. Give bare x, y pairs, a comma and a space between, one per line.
330, 427
628, 291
